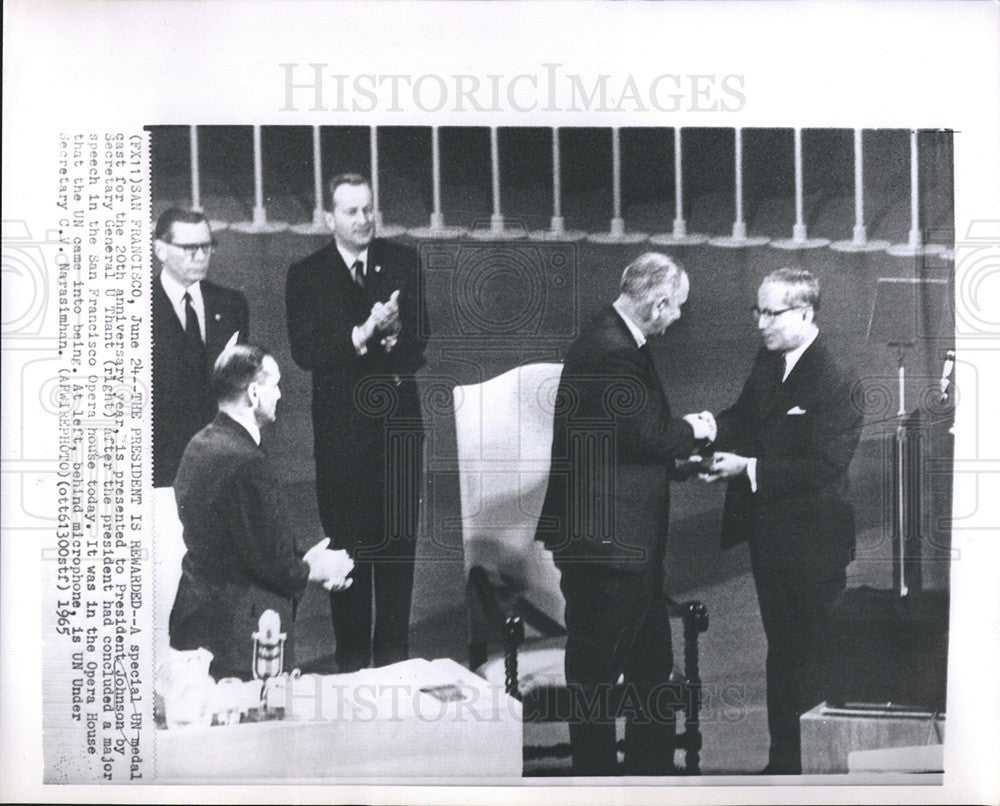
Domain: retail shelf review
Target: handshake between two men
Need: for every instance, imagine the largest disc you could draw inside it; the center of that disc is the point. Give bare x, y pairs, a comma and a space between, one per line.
784, 445
719, 464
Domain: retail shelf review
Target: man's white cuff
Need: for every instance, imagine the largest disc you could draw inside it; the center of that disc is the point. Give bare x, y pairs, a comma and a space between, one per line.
360, 346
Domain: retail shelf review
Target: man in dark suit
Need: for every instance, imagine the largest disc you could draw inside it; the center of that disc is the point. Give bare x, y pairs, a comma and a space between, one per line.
193, 319
353, 322
787, 444
240, 560
605, 519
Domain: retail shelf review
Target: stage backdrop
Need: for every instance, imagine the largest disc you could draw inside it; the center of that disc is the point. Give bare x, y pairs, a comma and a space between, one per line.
494, 305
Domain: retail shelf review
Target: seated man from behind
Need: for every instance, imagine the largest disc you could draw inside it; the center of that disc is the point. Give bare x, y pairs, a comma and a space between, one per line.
241, 559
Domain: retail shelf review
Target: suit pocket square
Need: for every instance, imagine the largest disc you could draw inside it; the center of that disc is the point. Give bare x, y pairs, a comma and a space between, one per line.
795, 410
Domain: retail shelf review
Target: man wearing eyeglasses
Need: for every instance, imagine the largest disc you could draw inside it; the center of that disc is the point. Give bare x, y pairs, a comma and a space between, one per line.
785, 448
193, 320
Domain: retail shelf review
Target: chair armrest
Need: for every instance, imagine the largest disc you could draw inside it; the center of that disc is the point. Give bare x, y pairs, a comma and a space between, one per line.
693, 613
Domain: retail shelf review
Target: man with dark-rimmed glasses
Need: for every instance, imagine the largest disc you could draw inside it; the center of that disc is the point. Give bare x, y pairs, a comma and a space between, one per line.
193, 320
785, 448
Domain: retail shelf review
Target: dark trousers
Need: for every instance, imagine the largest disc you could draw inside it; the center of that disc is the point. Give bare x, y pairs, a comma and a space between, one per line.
365, 638
795, 595
616, 621
378, 502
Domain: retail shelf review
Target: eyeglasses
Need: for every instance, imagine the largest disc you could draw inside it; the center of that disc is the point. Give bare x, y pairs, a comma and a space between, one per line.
192, 249
767, 313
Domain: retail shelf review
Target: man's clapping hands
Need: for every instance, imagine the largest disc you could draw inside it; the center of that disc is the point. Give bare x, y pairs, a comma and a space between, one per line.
328, 567
384, 320
385, 315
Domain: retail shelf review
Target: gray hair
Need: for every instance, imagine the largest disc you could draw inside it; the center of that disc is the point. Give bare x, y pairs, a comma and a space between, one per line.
649, 272
801, 287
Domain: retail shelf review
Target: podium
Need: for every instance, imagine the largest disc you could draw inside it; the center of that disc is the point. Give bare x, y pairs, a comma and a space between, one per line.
831, 735
887, 676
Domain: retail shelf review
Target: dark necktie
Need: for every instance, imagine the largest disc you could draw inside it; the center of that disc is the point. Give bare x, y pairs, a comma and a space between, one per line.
192, 332
358, 270
644, 350
775, 373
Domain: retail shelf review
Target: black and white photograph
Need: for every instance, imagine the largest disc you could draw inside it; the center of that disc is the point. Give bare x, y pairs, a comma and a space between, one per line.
516, 481
455, 430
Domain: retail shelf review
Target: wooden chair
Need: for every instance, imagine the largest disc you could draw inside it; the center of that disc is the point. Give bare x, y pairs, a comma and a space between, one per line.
504, 431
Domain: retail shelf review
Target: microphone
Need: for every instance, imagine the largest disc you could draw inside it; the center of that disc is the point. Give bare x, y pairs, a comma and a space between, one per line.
949, 367
268, 646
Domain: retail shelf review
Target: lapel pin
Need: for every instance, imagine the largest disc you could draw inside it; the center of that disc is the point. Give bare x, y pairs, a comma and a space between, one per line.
218, 317
378, 269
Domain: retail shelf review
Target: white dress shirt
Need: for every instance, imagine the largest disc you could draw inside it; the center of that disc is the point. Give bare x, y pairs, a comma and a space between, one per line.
248, 421
633, 328
792, 356
175, 293
357, 338
791, 359
350, 258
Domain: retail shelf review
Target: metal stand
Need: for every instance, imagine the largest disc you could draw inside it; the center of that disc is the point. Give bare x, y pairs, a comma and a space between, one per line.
616, 233
739, 239
318, 225
859, 242
497, 231
216, 226
381, 228
437, 229
557, 228
259, 225
679, 236
914, 244
799, 239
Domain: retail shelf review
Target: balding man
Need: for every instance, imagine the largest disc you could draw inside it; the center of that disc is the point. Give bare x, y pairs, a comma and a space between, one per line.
605, 517
353, 322
241, 558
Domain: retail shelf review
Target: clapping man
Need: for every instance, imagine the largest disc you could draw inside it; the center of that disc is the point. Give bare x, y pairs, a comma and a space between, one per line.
353, 321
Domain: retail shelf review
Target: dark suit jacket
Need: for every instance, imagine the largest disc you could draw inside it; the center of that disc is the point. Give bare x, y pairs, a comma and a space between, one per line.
613, 447
182, 401
240, 558
801, 504
359, 403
